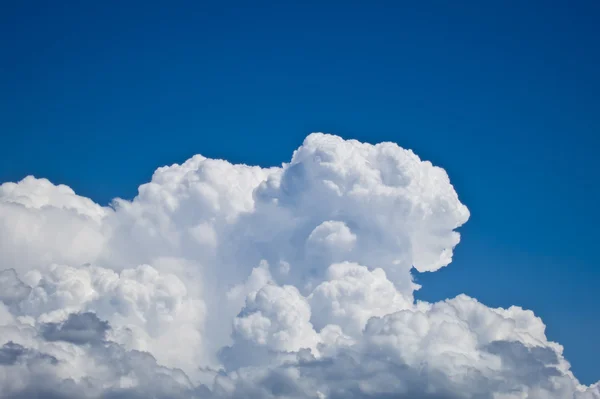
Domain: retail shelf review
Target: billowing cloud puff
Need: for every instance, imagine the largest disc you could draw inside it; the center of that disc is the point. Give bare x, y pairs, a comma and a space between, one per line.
231, 281
352, 295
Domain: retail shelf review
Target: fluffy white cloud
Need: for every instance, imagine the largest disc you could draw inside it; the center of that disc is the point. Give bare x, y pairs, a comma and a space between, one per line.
352, 295
229, 281
146, 310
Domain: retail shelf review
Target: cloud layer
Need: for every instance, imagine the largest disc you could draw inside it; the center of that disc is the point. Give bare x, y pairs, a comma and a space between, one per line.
232, 281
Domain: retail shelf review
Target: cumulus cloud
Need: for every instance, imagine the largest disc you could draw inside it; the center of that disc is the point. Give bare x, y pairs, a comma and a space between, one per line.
79, 328
232, 281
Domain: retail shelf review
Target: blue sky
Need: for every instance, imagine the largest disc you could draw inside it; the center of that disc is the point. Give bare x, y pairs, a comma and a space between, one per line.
504, 97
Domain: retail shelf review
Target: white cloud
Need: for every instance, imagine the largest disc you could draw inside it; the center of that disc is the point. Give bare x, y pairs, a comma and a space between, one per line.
228, 281
351, 295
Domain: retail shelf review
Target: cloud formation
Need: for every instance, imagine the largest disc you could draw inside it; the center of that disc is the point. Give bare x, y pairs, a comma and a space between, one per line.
232, 281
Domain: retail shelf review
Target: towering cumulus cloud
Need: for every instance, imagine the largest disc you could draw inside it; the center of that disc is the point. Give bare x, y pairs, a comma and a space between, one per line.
232, 281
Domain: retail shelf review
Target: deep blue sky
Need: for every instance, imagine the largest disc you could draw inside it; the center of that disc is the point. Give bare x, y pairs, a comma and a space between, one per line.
505, 97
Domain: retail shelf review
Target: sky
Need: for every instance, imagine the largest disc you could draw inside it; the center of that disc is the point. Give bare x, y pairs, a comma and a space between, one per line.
503, 96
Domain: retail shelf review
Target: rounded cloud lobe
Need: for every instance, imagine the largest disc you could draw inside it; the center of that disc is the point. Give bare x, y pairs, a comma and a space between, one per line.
232, 281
